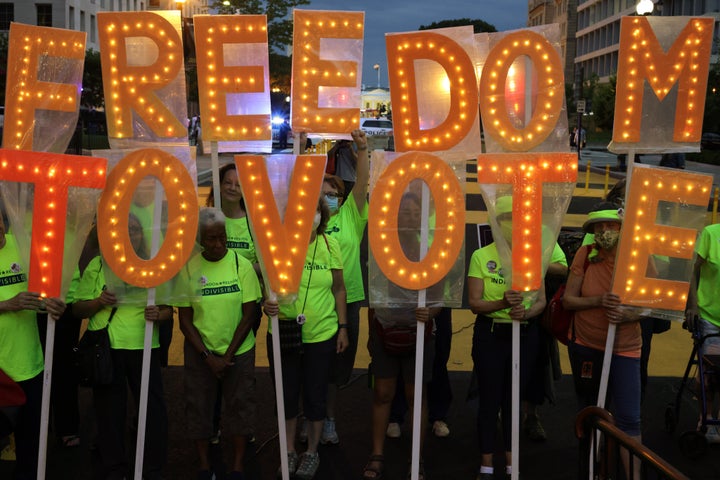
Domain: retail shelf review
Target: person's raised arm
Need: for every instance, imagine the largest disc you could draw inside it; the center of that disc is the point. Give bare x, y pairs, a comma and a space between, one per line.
362, 168
479, 305
88, 308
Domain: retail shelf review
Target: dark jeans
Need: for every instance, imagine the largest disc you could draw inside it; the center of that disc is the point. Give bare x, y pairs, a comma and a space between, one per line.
492, 358
623, 384
110, 413
27, 430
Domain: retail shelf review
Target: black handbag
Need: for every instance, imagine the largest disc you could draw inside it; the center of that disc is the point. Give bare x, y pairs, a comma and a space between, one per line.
290, 336
92, 357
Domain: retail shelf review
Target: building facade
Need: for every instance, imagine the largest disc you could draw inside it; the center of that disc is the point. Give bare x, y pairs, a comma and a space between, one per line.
564, 13
81, 15
598, 29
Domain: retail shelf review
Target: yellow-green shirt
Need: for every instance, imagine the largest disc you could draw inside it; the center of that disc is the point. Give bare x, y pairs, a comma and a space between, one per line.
708, 247
239, 238
21, 356
127, 327
485, 265
347, 228
315, 297
223, 287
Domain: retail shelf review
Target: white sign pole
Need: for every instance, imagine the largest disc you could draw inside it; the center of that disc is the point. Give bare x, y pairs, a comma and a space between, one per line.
47, 387
420, 343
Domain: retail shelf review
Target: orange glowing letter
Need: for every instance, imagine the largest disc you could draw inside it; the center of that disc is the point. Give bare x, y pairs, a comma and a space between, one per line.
314, 69
132, 87
551, 91
114, 212
527, 172
402, 51
385, 199
642, 237
686, 63
52, 174
29, 46
216, 80
281, 245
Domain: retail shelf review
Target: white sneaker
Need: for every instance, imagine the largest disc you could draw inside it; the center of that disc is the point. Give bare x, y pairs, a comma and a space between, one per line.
712, 435
329, 435
440, 429
393, 430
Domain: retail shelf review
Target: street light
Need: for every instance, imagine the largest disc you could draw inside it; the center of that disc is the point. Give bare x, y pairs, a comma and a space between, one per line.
644, 7
377, 67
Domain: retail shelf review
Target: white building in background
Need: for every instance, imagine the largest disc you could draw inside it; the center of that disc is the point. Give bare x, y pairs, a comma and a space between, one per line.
598, 29
81, 15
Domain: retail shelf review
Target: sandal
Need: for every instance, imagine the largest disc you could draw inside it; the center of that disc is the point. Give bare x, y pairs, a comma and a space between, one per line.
374, 473
70, 441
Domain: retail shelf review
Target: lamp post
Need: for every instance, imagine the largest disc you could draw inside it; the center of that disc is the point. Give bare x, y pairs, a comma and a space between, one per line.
645, 7
377, 67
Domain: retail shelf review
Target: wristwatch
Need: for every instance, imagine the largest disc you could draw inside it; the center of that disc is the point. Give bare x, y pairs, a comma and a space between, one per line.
205, 354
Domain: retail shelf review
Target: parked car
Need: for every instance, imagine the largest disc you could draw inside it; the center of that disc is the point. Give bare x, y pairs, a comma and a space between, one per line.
710, 141
376, 126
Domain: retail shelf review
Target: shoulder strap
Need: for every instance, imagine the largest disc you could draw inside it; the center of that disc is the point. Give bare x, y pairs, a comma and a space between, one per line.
327, 244
237, 262
112, 314
588, 250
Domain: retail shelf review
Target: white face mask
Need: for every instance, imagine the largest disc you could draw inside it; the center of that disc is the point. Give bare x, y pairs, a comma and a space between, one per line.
316, 221
607, 239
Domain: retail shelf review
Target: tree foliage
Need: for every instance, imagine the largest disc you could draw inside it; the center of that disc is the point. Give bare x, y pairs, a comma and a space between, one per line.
92, 87
603, 103
280, 27
479, 26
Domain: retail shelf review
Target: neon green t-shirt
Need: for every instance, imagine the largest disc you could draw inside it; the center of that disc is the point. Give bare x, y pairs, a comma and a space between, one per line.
224, 286
558, 256
239, 238
21, 356
347, 228
127, 328
315, 292
485, 265
708, 247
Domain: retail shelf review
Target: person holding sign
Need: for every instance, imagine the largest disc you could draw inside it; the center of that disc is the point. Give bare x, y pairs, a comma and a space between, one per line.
588, 293
126, 327
219, 341
392, 340
313, 329
496, 307
21, 356
704, 308
232, 205
348, 218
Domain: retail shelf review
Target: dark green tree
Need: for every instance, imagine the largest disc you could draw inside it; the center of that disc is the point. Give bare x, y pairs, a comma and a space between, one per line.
280, 31
92, 84
479, 26
603, 103
279, 18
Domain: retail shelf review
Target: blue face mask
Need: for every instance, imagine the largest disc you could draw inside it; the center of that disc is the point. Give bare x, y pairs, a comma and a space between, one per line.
333, 203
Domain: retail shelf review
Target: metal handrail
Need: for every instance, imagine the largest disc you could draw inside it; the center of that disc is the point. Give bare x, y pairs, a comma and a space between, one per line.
596, 419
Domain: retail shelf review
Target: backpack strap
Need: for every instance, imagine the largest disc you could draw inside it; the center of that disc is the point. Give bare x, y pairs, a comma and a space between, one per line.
586, 264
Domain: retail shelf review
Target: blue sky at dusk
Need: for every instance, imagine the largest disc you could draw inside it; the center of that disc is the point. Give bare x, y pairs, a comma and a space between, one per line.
392, 16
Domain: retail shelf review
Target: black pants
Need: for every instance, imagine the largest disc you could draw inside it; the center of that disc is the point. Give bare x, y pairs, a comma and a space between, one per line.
27, 430
492, 358
110, 411
64, 398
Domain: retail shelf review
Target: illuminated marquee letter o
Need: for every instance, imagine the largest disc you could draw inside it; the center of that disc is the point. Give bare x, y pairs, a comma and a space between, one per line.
114, 211
549, 97
449, 228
